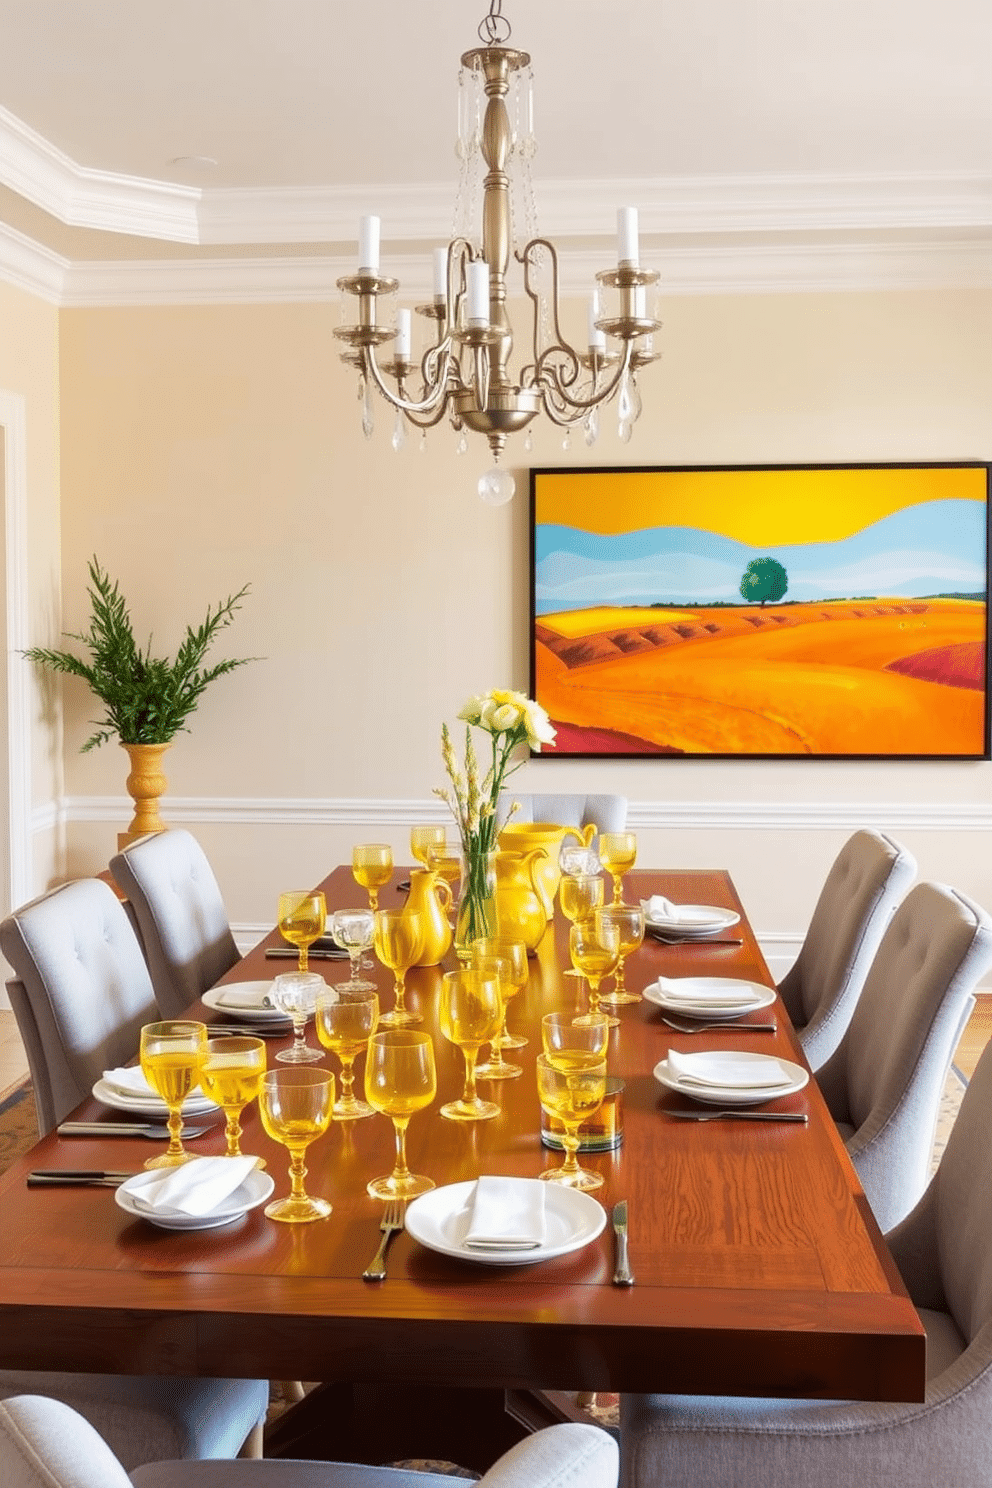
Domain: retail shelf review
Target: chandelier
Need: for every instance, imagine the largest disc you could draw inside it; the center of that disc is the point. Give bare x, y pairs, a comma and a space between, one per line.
464, 375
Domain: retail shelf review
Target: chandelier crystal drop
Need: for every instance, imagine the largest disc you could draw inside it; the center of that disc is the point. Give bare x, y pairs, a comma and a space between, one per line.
464, 375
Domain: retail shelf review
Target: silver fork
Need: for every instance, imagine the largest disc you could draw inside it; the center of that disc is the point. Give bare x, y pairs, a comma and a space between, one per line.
682, 1025
392, 1221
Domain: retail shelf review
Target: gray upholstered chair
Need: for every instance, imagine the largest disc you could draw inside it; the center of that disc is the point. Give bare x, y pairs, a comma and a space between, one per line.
944, 1252
180, 916
608, 813
884, 1081
43, 1445
868, 879
80, 994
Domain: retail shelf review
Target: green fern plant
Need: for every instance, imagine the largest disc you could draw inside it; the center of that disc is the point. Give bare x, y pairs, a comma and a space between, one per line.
147, 698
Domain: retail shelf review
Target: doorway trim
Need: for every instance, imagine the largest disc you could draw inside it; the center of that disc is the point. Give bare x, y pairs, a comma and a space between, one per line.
19, 873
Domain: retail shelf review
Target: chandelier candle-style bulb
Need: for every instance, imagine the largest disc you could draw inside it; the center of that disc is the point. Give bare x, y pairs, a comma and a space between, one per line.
629, 252
440, 274
403, 335
477, 281
597, 340
368, 245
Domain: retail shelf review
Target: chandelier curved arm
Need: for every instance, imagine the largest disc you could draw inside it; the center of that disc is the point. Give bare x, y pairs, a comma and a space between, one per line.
553, 387
435, 391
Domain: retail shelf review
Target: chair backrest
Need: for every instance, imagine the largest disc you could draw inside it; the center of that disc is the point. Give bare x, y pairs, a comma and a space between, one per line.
45, 1444
887, 1075
608, 813
963, 1208
180, 914
868, 879
81, 994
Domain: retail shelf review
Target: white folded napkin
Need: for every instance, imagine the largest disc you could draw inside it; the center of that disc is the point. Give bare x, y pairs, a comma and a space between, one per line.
506, 1214
724, 1070
660, 908
245, 997
196, 1189
690, 991
130, 1081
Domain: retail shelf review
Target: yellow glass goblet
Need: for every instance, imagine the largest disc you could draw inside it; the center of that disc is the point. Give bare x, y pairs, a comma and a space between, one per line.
302, 916
568, 1041
400, 1079
371, 868
346, 1020
579, 894
513, 978
445, 859
500, 967
470, 1011
573, 1096
172, 1055
399, 939
629, 918
295, 1106
231, 1077
618, 854
594, 945
422, 839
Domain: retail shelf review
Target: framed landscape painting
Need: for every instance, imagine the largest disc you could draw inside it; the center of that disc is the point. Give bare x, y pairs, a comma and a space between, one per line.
822, 612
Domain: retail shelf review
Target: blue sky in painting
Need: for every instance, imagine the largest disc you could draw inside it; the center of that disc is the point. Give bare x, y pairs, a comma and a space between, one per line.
936, 547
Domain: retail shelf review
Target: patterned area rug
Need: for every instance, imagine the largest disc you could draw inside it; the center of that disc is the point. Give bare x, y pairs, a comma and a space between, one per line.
18, 1124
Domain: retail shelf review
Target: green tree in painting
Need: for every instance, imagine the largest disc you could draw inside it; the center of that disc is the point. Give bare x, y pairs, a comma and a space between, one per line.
764, 579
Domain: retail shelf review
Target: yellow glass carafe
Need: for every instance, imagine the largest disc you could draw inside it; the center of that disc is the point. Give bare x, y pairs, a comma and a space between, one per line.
519, 901
526, 836
430, 897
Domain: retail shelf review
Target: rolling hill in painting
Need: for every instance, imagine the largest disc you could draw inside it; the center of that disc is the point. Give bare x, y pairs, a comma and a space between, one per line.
644, 645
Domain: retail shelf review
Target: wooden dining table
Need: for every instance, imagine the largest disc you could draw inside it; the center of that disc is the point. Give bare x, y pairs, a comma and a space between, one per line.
759, 1267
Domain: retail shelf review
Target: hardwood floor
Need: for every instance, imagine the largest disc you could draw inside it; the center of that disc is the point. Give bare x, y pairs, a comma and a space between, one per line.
13, 1062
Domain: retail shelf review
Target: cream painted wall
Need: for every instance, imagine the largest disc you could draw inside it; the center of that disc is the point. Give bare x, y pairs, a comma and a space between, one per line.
203, 447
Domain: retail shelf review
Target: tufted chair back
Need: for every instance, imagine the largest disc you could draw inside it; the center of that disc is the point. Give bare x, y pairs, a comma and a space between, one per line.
81, 992
868, 879
180, 914
884, 1082
608, 813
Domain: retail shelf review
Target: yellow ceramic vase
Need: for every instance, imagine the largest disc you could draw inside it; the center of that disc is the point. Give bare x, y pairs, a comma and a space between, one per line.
146, 782
522, 837
430, 897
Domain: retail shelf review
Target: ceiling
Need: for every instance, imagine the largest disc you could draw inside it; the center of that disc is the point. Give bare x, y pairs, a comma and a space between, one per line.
226, 149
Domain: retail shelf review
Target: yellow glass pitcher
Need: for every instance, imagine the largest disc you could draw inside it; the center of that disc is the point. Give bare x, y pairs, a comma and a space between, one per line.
519, 900
430, 897
526, 836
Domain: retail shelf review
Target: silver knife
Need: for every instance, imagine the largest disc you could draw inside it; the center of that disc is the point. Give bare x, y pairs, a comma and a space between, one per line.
159, 1132
798, 1116
622, 1276
69, 1178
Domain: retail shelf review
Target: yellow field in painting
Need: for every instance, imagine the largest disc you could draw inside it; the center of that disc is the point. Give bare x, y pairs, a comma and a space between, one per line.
812, 688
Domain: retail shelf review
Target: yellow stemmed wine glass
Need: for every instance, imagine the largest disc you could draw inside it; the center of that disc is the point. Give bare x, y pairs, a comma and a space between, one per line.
573, 1096
500, 967
302, 916
618, 854
629, 919
231, 1077
172, 1055
371, 868
579, 893
398, 944
514, 976
470, 1011
445, 859
594, 945
568, 1041
346, 1019
422, 839
295, 1106
400, 1079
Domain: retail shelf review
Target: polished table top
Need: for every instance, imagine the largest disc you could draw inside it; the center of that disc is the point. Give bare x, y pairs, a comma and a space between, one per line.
760, 1269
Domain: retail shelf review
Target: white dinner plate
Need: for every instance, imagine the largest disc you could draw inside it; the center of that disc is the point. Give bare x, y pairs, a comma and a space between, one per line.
694, 921
736, 1095
249, 1004
742, 997
255, 1190
440, 1220
152, 1107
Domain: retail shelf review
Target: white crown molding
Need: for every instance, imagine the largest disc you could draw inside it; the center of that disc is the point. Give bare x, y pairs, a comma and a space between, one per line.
716, 816
29, 266
79, 197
